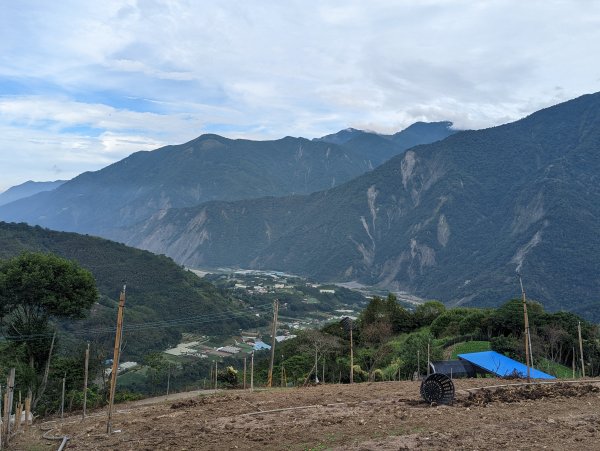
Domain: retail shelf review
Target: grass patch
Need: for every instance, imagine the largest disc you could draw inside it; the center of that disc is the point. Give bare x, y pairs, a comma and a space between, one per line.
553, 368
469, 346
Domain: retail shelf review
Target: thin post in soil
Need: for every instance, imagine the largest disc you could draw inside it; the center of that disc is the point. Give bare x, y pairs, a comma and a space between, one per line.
428, 361
216, 374
85, 379
8, 400
274, 340
27, 410
581, 349
351, 355
252, 372
527, 338
245, 373
116, 356
62, 397
168, 380
573, 362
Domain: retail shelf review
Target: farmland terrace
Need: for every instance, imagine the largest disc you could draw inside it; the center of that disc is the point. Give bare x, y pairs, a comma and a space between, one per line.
377, 416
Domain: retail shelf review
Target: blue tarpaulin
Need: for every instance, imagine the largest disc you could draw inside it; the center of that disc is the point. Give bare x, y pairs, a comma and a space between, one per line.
260, 345
502, 366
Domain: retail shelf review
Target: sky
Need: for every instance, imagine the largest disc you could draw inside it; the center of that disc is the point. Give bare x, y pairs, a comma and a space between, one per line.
85, 83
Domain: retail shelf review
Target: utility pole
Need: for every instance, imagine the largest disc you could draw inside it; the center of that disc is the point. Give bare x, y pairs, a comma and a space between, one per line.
527, 339
85, 378
273, 332
116, 356
581, 349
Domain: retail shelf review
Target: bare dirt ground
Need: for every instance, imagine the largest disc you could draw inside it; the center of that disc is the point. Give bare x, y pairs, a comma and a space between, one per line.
368, 416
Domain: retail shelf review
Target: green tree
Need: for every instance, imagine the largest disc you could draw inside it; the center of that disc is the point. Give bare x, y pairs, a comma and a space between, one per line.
387, 311
427, 312
34, 290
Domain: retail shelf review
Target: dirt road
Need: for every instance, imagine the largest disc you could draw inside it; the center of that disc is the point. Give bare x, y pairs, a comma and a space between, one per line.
368, 416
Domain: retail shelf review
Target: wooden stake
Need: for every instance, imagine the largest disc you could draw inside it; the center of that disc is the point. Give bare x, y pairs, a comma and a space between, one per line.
168, 380
116, 356
27, 411
351, 355
1, 417
5, 420
252, 372
8, 400
216, 374
581, 349
428, 361
85, 378
274, 332
245, 373
573, 362
62, 398
527, 339
18, 415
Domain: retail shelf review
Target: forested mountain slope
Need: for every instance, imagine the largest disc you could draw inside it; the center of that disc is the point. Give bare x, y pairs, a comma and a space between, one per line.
157, 289
452, 220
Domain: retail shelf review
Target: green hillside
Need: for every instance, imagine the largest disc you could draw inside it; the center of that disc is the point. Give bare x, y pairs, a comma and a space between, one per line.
158, 290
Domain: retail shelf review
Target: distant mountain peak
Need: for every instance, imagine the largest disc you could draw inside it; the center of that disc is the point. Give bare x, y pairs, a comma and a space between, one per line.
26, 189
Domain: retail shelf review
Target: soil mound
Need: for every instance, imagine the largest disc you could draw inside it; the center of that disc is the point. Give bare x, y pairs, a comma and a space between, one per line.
509, 394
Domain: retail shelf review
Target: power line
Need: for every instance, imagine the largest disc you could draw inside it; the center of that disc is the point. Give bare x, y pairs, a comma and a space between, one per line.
173, 322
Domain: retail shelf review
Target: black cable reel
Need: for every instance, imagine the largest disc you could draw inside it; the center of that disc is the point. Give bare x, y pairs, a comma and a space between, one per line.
437, 388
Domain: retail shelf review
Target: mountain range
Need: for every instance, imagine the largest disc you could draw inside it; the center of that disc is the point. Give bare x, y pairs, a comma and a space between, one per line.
453, 220
208, 168
27, 189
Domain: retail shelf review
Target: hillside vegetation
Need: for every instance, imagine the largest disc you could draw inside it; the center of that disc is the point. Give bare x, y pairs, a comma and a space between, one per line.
159, 291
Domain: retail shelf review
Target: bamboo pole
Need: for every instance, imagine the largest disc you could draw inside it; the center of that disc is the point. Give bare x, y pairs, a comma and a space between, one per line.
274, 332
581, 349
62, 397
351, 355
428, 360
527, 339
252, 372
216, 375
85, 378
245, 372
116, 356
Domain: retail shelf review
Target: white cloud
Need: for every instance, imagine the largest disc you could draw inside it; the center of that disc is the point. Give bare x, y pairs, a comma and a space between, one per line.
148, 72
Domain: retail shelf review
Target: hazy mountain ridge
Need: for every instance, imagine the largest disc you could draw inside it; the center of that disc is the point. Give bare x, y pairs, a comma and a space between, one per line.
27, 189
208, 168
451, 220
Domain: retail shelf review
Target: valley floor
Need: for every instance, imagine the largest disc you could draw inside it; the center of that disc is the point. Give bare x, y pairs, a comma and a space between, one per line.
367, 416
